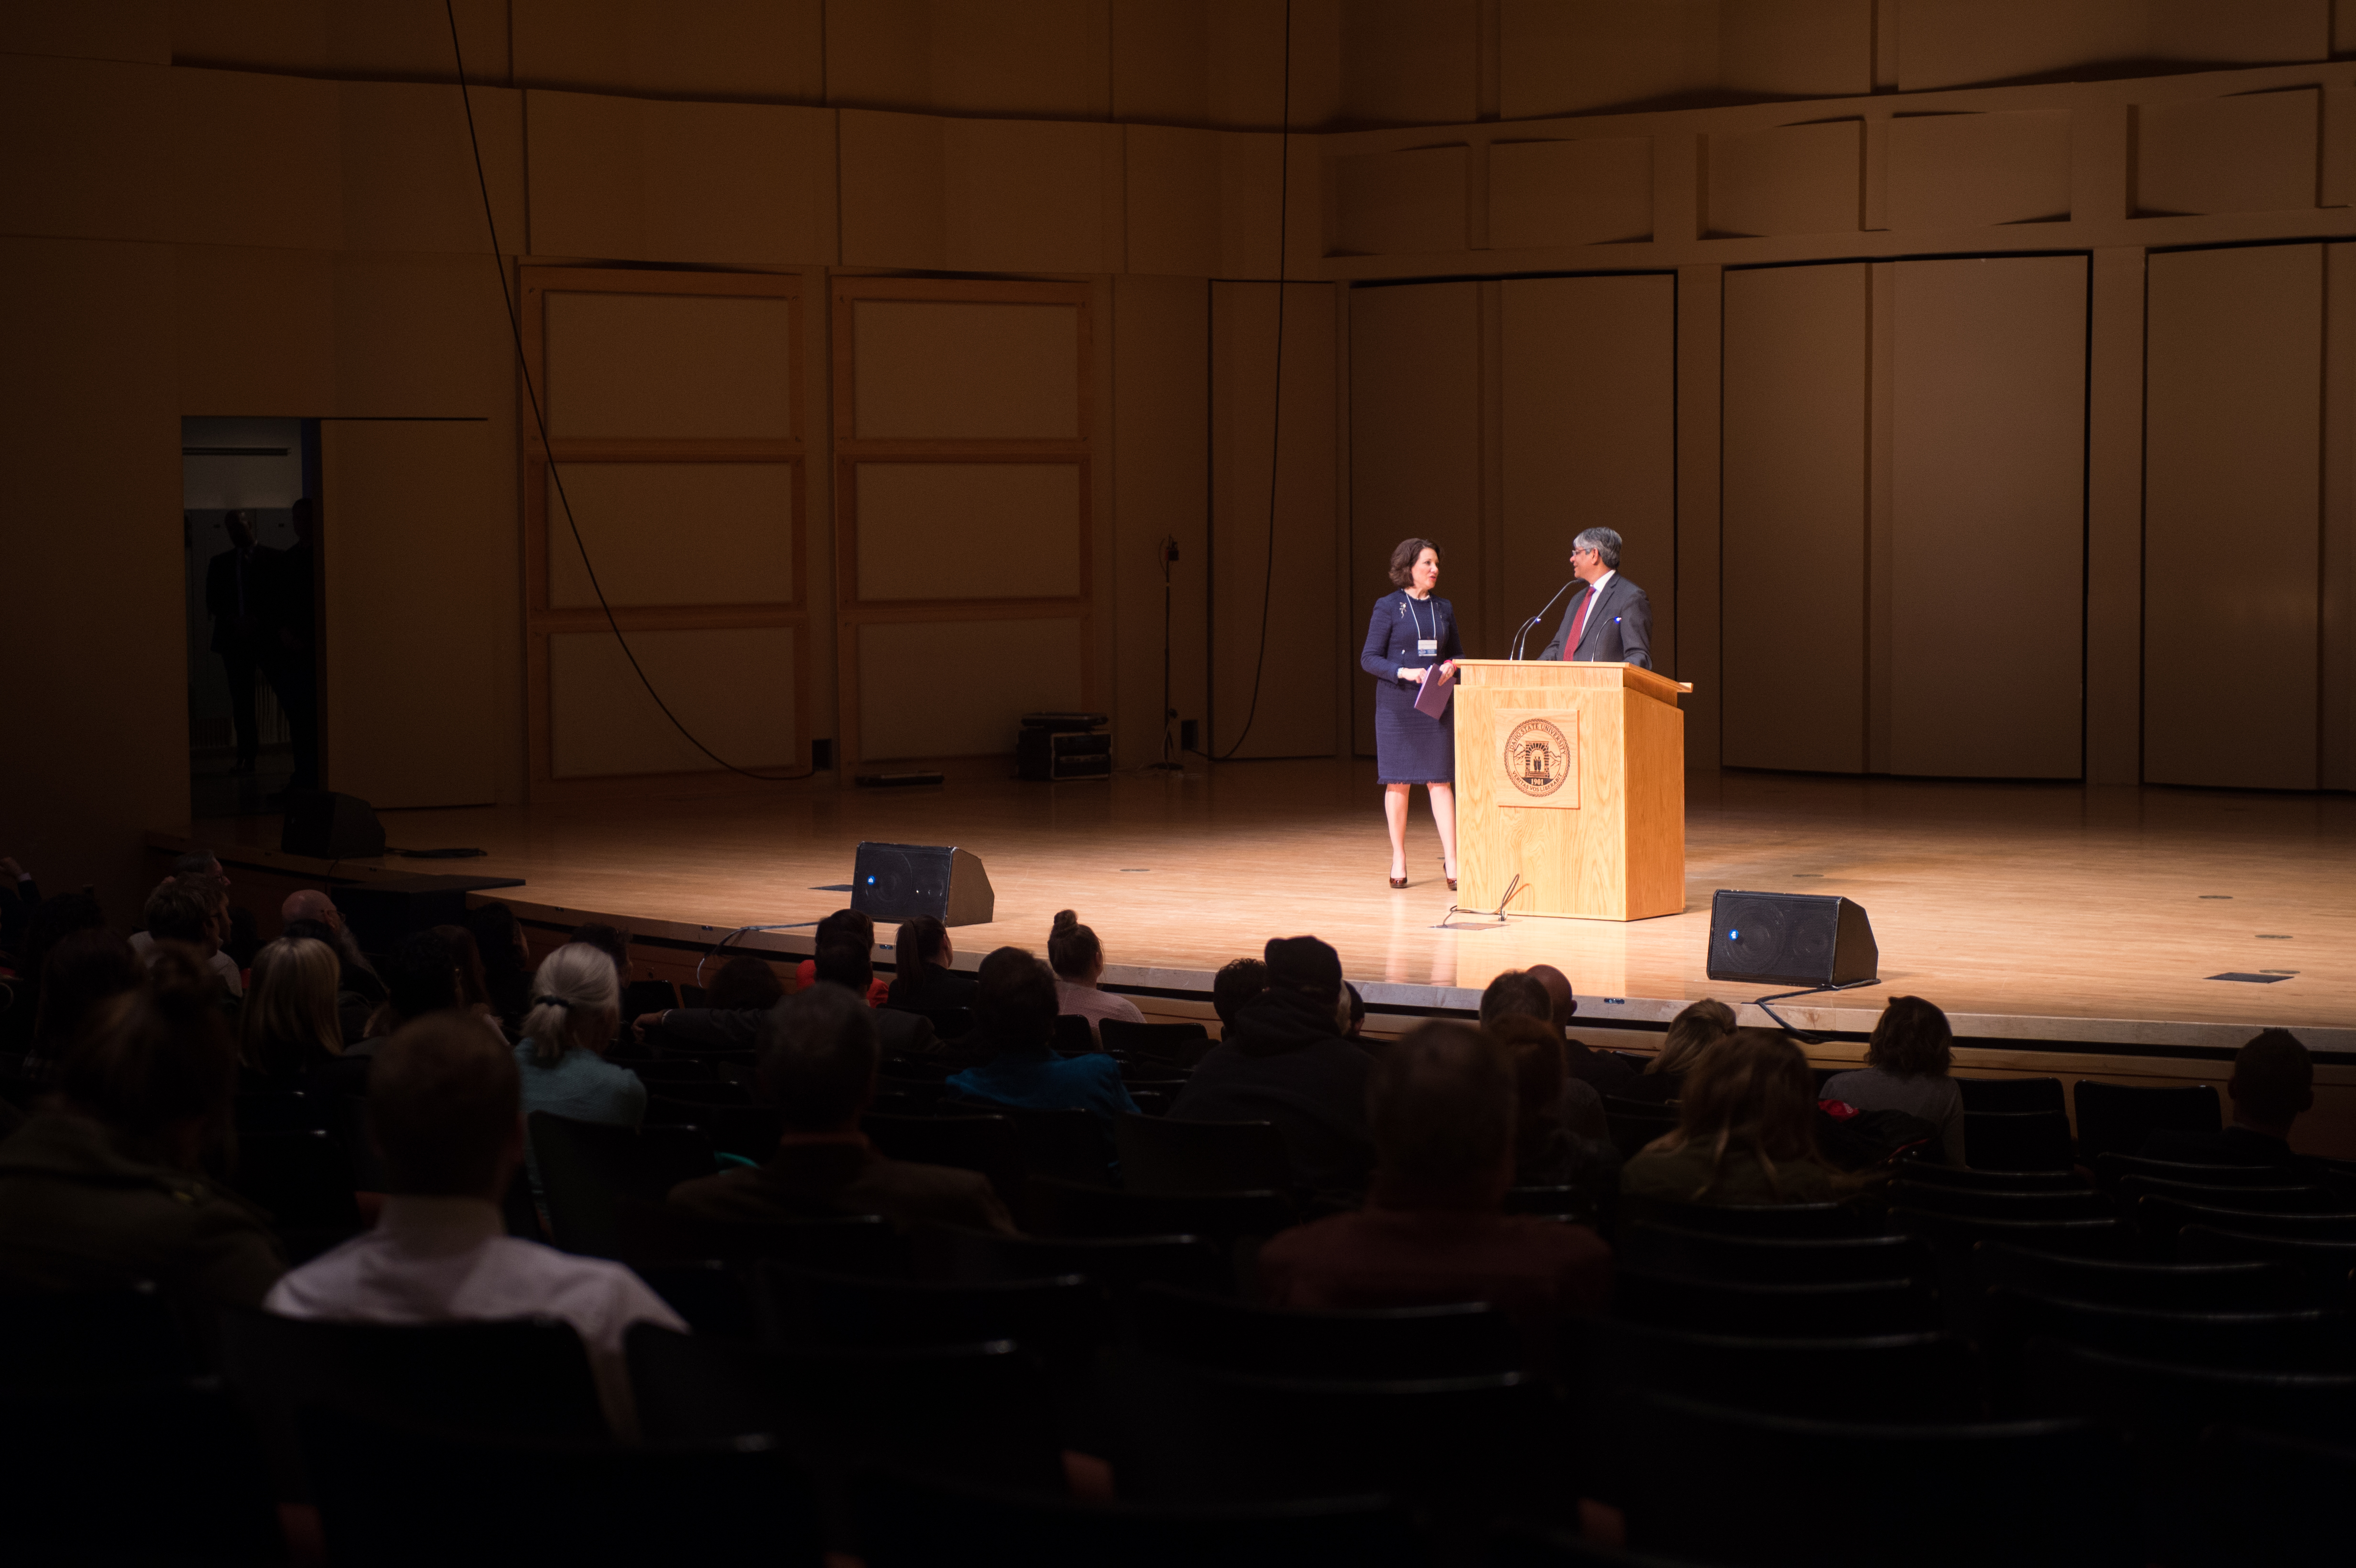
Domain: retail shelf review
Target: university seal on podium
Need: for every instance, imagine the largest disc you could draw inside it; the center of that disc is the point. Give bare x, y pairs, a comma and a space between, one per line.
1537, 757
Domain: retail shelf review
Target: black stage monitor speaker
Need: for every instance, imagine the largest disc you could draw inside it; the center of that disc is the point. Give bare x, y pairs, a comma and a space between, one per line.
1791, 939
330, 826
899, 881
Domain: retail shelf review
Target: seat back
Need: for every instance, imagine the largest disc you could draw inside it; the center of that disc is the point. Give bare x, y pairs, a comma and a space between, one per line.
276, 1111
2043, 1492
2160, 1215
1121, 1264
2328, 1265
804, 1307
1172, 1045
84, 1339
949, 1023
2114, 1118
1979, 1180
1794, 1219
1053, 1208
1070, 1143
303, 1181
986, 1142
590, 1170
1717, 1307
654, 1233
2048, 1204
1158, 1154
1954, 1235
1761, 1260
2197, 1286
2285, 1198
1202, 1329
2287, 1340
2017, 1140
2012, 1095
1881, 1377
748, 1132
1632, 1124
2277, 1501
2111, 1168
2171, 1401
1073, 1036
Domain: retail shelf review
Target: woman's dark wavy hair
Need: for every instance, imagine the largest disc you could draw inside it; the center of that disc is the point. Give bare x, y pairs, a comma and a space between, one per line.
1403, 560
1912, 1040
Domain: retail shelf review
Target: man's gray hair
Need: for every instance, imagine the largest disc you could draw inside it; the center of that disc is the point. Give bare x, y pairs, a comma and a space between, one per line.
1604, 542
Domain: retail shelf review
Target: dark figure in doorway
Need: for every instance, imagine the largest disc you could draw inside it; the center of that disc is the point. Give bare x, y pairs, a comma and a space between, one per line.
290, 637
234, 590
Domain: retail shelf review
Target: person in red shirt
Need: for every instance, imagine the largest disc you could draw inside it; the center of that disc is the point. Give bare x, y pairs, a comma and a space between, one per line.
1440, 1103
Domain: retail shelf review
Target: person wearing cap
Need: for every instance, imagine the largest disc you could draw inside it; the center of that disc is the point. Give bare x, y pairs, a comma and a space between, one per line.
1286, 1060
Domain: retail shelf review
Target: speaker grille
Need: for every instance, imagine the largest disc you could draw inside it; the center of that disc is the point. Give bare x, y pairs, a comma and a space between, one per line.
1774, 938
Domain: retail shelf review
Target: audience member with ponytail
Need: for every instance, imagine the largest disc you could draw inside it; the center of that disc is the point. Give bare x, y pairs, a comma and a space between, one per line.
1746, 1131
106, 1188
576, 1004
924, 982
1078, 958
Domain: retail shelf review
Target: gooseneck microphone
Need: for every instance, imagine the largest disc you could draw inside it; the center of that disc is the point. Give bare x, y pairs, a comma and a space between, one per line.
1541, 615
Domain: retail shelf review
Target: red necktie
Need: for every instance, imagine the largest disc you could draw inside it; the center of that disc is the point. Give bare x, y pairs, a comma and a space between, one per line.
1579, 629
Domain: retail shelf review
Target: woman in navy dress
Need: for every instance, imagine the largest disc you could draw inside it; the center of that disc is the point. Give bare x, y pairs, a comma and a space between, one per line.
1412, 633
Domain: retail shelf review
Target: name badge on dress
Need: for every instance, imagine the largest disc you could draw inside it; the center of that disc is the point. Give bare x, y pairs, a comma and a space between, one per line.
1428, 646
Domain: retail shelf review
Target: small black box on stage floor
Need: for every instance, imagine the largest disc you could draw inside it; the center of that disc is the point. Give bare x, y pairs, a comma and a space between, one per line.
892, 882
330, 826
1049, 754
1790, 939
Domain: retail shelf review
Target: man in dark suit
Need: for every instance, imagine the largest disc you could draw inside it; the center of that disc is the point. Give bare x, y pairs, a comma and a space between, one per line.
1610, 622
234, 591
2273, 1085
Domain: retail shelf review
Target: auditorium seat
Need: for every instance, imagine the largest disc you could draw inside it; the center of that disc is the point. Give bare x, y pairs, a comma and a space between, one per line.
2159, 1216
2017, 1140
588, 1171
1073, 1036
2115, 1118
515, 1376
398, 1495
303, 1180
2276, 1502
1059, 1316
985, 1142
2111, 1168
907, 1520
1760, 1260
2174, 1401
709, 1296
1796, 1220
1978, 1180
1151, 1101
1885, 1377
2281, 1339
2012, 1095
81, 1339
1053, 1208
676, 1070
1721, 1485
1979, 1203
2281, 1196
1180, 1045
949, 1023
846, 1243
1121, 1264
2328, 1265
276, 1111
985, 1411
748, 1132
1202, 1329
1585, 1206
707, 1090
2203, 1287
1160, 1155
1847, 1308
1954, 1235
1632, 1124
1071, 1144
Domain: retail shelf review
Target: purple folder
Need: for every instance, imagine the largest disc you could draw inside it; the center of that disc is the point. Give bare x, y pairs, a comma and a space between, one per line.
1432, 700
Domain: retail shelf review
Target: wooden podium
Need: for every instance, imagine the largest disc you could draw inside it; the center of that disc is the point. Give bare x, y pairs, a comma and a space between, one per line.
1572, 776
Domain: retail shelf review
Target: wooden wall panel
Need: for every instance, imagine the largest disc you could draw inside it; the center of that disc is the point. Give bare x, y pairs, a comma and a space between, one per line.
1796, 48
1298, 713
1989, 491
1597, 190
2232, 515
258, 160
1700, 302
1962, 171
1415, 458
1041, 58
424, 335
257, 329
918, 697
637, 180
1794, 554
969, 530
754, 52
2114, 547
1958, 43
966, 369
1589, 440
1160, 430
1793, 179
2256, 153
408, 39
1201, 204
409, 181
2336, 768
1213, 63
1411, 62
652, 366
733, 687
1400, 203
89, 149
410, 517
1568, 57
673, 533
139, 31
1030, 197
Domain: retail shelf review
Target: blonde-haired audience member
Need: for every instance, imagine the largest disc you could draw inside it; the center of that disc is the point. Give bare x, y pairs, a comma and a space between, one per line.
1699, 1026
1746, 1131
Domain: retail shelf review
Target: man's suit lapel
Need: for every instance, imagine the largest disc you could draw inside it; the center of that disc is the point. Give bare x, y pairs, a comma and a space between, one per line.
1586, 628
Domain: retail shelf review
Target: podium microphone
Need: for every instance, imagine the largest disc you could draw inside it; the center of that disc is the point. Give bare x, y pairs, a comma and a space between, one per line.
1540, 615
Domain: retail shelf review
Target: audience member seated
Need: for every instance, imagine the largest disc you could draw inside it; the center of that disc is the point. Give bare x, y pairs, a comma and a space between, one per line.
844, 926
445, 1113
473, 988
819, 1054
610, 940
1440, 1103
194, 911
1078, 958
926, 982
289, 1032
1014, 1020
105, 1189
1521, 994
745, 985
1906, 1064
1610, 1074
1698, 1025
79, 973
2272, 1083
1547, 1153
507, 960
1283, 1060
420, 977
1746, 1132
844, 963
576, 1004
49, 922
1237, 982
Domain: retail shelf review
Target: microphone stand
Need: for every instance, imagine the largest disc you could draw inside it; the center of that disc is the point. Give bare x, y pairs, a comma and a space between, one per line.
1539, 616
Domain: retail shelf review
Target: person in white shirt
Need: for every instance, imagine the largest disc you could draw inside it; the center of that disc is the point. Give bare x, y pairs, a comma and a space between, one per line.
1078, 958
193, 908
443, 1107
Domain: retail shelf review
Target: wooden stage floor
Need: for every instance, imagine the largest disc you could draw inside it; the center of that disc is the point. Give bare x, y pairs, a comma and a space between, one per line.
2031, 913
